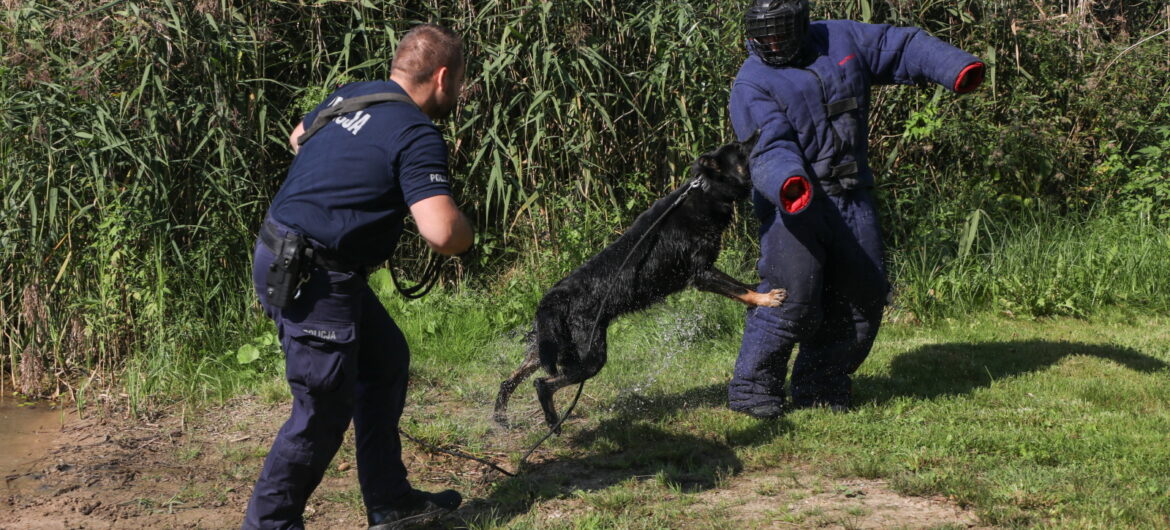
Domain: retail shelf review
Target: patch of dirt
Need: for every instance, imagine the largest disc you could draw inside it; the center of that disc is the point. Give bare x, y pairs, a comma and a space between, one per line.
112, 472
801, 500
178, 472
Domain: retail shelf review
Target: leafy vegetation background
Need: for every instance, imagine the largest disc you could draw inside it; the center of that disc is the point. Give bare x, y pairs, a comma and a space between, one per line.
144, 139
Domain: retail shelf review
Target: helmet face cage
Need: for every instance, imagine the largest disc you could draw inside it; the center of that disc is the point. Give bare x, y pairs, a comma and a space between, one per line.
776, 29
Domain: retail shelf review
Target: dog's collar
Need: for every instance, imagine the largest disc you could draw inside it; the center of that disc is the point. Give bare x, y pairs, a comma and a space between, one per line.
699, 182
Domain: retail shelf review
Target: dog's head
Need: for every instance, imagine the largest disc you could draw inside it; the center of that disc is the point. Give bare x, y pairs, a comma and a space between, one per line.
726, 169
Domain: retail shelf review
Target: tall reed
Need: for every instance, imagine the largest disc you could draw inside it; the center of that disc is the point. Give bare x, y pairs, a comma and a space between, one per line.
145, 138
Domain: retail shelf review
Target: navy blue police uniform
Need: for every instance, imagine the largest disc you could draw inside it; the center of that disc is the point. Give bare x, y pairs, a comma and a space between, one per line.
347, 193
822, 242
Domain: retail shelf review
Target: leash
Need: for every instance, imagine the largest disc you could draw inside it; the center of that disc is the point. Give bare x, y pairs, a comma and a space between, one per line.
429, 278
698, 182
455, 452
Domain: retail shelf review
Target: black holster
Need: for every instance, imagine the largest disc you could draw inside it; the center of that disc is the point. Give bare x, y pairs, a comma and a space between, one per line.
284, 274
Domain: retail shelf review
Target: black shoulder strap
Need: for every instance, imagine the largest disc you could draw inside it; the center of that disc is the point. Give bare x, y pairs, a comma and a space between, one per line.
347, 106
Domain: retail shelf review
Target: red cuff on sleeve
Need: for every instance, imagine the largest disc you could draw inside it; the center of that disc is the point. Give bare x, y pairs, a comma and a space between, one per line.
970, 78
795, 194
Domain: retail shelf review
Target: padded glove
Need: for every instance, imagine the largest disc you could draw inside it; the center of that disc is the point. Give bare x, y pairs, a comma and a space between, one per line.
795, 194
970, 78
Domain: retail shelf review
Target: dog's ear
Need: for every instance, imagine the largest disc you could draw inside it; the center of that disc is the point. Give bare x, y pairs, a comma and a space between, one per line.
750, 143
709, 162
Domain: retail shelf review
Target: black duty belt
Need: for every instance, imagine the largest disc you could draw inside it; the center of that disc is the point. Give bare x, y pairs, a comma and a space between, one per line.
271, 239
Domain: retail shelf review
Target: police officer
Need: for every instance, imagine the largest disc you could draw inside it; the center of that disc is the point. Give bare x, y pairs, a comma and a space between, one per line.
805, 86
343, 202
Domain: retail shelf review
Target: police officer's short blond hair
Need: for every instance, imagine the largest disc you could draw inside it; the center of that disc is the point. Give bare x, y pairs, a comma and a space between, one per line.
425, 48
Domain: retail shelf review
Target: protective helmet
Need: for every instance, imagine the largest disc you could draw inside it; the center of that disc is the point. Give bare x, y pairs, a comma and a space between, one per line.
776, 29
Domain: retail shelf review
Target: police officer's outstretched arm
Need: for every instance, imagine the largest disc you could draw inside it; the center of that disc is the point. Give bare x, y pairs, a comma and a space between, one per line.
442, 225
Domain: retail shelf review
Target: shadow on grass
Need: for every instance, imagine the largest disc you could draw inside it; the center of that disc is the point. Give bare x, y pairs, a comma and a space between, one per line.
629, 446
636, 406
959, 368
632, 445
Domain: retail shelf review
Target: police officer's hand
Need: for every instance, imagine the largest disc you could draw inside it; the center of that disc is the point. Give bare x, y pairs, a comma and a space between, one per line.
292, 137
469, 255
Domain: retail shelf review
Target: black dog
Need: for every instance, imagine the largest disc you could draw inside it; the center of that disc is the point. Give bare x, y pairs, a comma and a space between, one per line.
671, 245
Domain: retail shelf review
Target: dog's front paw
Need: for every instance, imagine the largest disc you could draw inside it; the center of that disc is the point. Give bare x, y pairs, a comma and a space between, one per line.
774, 298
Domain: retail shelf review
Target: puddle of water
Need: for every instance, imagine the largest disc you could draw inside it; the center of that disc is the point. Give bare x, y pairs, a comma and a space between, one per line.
27, 430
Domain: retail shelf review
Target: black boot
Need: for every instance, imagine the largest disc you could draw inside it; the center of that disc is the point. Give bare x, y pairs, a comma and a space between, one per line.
416, 507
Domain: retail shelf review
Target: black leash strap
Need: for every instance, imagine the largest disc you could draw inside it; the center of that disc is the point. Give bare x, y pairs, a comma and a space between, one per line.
347, 106
429, 278
698, 182
456, 453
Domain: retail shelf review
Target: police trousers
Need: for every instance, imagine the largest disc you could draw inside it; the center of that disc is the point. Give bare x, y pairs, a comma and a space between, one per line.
829, 257
345, 359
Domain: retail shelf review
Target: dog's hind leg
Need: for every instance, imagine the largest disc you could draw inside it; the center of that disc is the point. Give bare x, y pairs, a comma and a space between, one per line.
587, 366
545, 388
716, 281
527, 367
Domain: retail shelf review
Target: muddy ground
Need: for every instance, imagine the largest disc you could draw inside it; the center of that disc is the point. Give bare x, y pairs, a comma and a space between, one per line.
173, 471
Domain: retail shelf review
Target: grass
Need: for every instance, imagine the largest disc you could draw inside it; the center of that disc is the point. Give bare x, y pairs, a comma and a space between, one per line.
1040, 264
1027, 422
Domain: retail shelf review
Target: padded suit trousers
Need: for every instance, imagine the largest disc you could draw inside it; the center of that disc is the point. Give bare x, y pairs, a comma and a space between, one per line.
345, 359
829, 257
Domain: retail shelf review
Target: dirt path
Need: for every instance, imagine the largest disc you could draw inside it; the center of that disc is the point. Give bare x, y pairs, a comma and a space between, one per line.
173, 472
